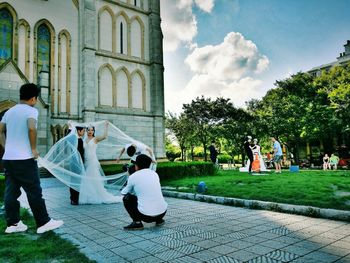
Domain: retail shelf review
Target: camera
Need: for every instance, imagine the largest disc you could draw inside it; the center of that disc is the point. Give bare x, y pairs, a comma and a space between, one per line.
130, 168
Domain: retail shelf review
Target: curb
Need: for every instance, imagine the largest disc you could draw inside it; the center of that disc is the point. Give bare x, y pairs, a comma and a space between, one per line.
256, 204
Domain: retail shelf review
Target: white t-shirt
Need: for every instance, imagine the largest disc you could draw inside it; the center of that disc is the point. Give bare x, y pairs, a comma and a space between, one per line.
17, 145
140, 149
146, 186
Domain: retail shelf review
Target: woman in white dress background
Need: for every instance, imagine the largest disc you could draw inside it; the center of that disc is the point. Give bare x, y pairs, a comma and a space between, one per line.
92, 189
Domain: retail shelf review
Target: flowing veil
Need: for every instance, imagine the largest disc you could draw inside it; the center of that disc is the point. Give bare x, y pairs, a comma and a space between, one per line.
64, 161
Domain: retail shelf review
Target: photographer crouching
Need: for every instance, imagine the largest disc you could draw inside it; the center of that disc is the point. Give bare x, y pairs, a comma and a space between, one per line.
142, 196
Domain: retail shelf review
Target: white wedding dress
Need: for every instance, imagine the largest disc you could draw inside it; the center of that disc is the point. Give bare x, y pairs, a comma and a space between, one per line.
92, 189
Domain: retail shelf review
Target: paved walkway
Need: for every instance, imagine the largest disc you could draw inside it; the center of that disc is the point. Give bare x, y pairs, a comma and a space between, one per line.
198, 232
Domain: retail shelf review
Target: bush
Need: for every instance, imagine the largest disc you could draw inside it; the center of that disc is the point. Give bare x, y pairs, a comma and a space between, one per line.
167, 170
224, 158
110, 169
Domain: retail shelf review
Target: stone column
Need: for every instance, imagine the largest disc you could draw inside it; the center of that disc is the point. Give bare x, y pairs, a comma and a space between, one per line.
88, 91
156, 77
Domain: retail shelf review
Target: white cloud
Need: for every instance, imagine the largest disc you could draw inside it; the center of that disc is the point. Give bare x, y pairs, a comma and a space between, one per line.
179, 24
239, 91
225, 70
205, 5
233, 59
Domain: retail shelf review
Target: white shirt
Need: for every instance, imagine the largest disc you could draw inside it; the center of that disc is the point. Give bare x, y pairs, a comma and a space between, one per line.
146, 186
140, 149
17, 145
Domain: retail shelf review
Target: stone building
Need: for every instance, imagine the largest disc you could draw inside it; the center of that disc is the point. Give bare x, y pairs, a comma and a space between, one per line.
93, 59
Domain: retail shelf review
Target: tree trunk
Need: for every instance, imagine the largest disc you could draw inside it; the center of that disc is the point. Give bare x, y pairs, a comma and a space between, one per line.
192, 153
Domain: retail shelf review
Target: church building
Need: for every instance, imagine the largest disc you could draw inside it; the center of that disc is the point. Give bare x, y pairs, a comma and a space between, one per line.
93, 59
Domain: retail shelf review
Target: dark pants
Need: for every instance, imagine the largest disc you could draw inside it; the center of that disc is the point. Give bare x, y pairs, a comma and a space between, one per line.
23, 173
74, 195
251, 159
130, 203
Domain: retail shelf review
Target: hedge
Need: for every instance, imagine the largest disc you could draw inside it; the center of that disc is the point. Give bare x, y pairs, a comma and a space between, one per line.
167, 170
224, 158
2, 187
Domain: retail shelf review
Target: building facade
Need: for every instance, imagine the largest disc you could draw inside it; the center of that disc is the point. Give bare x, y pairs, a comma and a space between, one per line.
342, 60
93, 59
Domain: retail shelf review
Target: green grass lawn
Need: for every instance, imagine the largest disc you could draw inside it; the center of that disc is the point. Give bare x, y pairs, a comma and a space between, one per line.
31, 247
323, 189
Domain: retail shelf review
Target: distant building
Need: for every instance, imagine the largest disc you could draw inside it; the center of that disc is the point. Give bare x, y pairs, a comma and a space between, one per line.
343, 59
93, 59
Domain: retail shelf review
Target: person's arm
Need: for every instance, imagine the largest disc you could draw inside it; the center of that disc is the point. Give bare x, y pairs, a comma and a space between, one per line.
32, 133
129, 186
2, 134
120, 155
104, 136
151, 154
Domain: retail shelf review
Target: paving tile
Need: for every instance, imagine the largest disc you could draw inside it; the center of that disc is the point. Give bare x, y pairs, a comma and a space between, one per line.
300, 251
223, 249
168, 255
263, 259
282, 255
224, 259
320, 256
185, 259
198, 232
242, 255
206, 243
205, 255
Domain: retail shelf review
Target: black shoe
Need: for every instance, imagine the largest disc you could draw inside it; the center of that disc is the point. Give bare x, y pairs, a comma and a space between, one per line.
134, 226
74, 203
160, 222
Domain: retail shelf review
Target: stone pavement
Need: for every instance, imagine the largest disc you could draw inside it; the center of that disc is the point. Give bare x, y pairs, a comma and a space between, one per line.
197, 232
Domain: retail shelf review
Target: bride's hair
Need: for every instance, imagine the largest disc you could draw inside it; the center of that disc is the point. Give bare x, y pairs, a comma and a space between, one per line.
91, 127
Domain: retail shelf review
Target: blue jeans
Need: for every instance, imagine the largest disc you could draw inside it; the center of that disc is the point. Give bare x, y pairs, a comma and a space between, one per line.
23, 173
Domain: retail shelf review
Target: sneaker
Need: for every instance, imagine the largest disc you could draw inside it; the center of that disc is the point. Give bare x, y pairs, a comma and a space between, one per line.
134, 226
51, 225
160, 222
19, 227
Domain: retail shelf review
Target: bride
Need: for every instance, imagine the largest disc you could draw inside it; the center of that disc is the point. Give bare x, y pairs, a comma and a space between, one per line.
92, 190
103, 141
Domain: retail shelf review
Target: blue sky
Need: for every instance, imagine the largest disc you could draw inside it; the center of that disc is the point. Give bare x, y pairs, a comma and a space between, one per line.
238, 48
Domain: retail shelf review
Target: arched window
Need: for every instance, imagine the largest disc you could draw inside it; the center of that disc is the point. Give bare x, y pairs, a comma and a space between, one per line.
43, 49
121, 38
135, 2
6, 32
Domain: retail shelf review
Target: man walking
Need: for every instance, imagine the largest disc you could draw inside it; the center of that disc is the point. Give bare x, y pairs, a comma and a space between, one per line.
277, 155
18, 136
249, 152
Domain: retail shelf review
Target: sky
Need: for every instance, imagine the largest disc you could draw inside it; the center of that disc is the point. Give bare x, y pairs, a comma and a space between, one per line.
237, 49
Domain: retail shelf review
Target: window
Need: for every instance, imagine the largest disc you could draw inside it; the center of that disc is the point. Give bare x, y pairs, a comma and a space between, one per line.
121, 38
43, 49
6, 32
135, 2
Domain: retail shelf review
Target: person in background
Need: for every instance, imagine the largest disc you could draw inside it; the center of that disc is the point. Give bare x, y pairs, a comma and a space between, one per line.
333, 161
277, 156
326, 164
213, 153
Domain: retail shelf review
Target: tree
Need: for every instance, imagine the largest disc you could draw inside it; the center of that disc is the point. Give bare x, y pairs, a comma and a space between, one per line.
182, 130
205, 115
